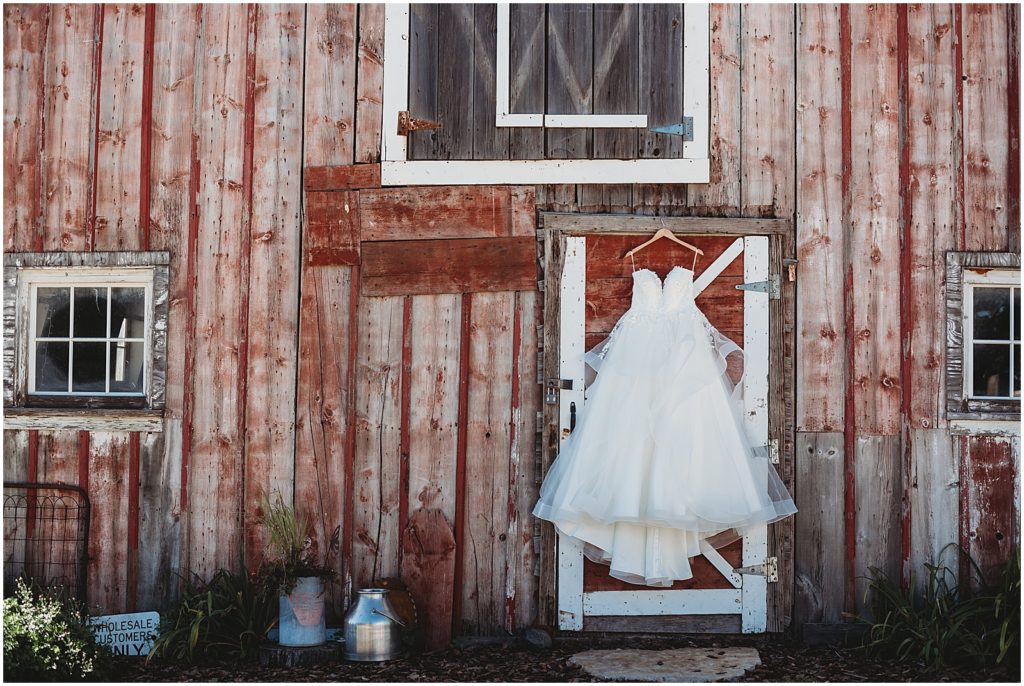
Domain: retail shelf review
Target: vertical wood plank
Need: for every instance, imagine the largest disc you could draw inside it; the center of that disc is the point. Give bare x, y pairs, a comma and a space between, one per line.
489, 141
934, 503
455, 65
521, 582
25, 53
875, 221
986, 126
819, 555
375, 488
767, 102
170, 175
160, 518
722, 194
428, 542
16, 468
661, 98
485, 519
369, 82
423, 77
569, 72
554, 262
527, 63
616, 91
819, 228
108, 532
215, 456
329, 107
932, 227
767, 169
879, 491
992, 524
322, 484
119, 133
69, 113
273, 245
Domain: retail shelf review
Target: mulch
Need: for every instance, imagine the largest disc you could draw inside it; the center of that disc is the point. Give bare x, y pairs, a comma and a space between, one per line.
783, 660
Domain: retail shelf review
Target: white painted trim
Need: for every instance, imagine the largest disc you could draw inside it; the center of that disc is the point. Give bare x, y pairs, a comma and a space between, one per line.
721, 564
755, 401
696, 76
572, 324
396, 80
31, 279
496, 172
595, 121
715, 269
519, 120
502, 65
710, 601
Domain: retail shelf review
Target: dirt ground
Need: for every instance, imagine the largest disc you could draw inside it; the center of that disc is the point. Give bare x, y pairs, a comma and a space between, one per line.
782, 660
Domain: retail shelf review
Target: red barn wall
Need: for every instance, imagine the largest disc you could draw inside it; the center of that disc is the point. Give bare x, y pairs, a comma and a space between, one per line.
888, 134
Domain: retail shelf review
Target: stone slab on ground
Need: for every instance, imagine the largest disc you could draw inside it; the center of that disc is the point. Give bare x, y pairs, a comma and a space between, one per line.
680, 664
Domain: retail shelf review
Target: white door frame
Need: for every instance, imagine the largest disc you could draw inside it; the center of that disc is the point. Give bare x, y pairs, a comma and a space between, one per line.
748, 597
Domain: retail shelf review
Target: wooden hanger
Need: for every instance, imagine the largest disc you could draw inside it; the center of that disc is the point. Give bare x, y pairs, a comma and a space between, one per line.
663, 233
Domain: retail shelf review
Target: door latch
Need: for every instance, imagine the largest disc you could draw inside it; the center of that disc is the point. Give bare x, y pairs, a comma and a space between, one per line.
769, 568
551, 388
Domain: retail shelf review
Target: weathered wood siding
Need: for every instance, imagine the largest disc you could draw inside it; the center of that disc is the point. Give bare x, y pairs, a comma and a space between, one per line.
395, 401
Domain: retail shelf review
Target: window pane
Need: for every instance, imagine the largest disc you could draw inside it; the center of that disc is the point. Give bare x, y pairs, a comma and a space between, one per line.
1016, 371
991, 369
53, 307
992, 313
90, 313
126, 367
52, 367
89, 366
127, 312
1016, 314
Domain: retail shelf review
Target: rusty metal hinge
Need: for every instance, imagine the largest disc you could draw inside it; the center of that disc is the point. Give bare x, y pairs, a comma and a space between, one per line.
769, 569
772, 287
684, 129
407, 123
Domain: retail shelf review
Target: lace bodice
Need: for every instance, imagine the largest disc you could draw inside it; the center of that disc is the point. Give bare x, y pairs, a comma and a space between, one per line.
650, 294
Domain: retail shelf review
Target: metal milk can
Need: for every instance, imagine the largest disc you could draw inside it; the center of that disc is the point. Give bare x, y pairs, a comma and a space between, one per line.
371, 628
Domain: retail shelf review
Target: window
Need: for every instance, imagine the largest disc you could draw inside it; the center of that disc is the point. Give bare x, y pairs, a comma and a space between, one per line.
399, 167
983, 335
85, 330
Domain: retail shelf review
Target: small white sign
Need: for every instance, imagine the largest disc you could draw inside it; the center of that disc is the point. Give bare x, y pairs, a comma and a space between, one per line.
129, 634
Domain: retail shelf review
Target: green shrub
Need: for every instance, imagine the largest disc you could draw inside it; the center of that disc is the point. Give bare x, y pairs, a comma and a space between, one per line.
225, 618
949, 626
48, 639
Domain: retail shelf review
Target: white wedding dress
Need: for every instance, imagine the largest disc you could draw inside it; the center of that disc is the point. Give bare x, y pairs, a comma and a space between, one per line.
659, 461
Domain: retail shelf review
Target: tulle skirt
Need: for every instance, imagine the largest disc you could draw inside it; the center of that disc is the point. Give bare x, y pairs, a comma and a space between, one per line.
659, 463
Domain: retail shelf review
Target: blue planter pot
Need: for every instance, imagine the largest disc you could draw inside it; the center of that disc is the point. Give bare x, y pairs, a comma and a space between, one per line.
302, 615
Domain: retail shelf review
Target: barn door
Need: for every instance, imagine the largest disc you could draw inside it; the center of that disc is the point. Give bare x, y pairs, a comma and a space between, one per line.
729, 590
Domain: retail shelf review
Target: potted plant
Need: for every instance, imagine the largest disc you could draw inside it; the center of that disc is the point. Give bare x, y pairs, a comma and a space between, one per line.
298, 573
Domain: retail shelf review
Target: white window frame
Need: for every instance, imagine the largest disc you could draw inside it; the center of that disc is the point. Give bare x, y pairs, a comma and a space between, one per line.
31, 280
996, 278
398, 170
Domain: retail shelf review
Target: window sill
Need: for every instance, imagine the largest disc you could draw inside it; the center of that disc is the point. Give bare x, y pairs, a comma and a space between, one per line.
964, 424
151, 421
